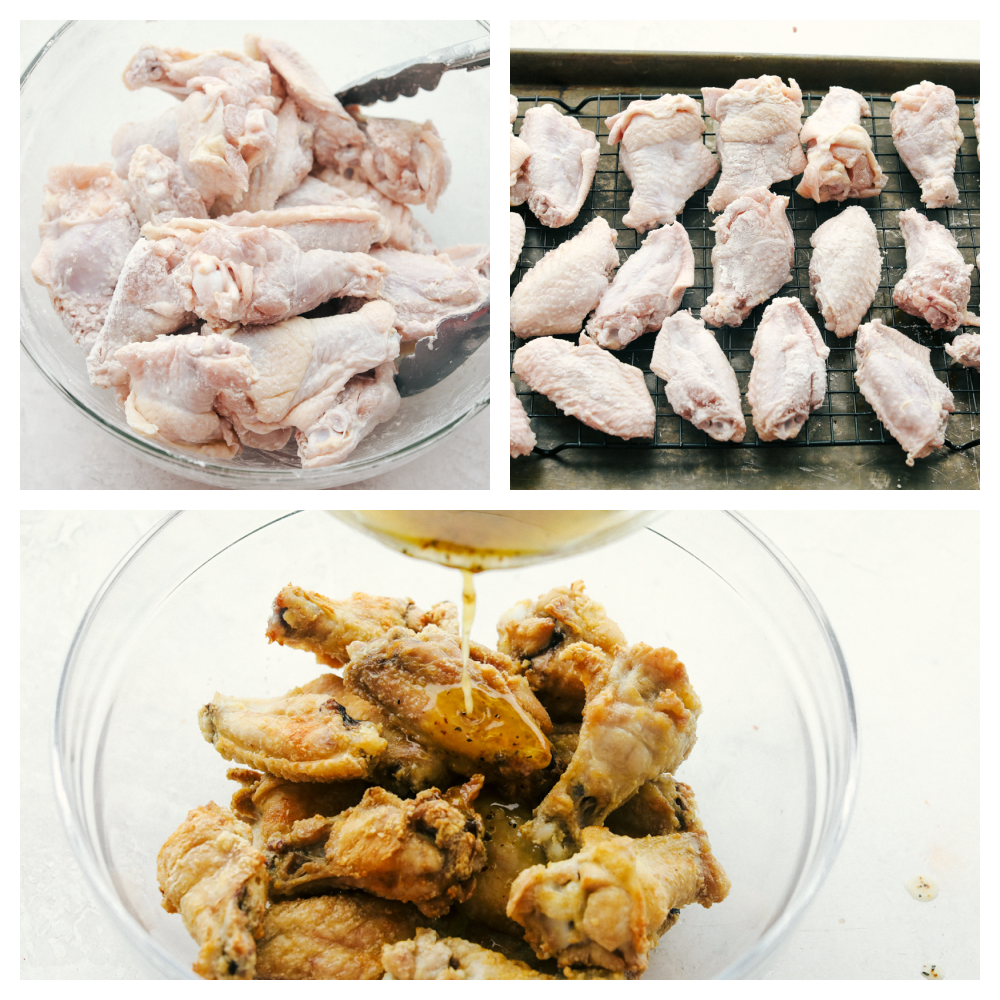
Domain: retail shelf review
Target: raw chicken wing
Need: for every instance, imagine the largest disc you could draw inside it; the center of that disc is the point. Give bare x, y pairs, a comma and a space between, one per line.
975, 121
758, 135
936, 285
648, 287
519, 153
845, 269
895, 376
351, 226
752, 257
927, 136
556, 295
663, 155
788, 378
965, 350
158, 191
561, 167
701, 383
841, 163
87, 230
517, 231
159, 132
590, 384
522, 437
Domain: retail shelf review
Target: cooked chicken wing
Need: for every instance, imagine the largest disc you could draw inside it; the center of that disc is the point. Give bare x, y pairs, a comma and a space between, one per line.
752, 257
517, 231
426, 289
609, 904
841, 163
895, 375
936, 286
304, 619
758, 135
845, 269
332, 937
148, 300
788, 378
927, 136
423, 850
660, 807
209, 872
701, 383
556, 295
663, 155
87, 230
300, 737
416, 678
590, 384
965, 350
639, 723
158, 191
522, 437
428, 957
562, 164
174, 384
648, 287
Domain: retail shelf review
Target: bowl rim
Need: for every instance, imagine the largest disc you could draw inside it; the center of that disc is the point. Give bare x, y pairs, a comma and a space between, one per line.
217, 471
814, 872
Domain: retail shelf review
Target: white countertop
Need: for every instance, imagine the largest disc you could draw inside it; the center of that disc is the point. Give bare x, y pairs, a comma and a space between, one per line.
61, 449
901, 591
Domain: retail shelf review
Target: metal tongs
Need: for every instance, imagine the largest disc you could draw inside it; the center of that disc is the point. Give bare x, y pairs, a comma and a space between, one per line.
418, 74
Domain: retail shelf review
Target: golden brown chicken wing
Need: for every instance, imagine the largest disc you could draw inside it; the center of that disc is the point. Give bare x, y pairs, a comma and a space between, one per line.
306, 620
560, 642
609, 904
332, 937
427, 956
301, 737
639, 724
423, 850
416, 678
661, 806
209, 871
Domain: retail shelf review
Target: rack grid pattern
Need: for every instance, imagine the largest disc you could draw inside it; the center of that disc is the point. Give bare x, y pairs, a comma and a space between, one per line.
845, 416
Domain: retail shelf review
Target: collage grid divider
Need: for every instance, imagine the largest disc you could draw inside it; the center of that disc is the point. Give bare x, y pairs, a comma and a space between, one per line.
845, 417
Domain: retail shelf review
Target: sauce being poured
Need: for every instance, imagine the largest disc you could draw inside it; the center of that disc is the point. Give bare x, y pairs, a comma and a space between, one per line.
468, 616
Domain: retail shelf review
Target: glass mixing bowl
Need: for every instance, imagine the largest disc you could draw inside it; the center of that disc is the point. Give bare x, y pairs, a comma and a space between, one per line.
73, 100
183, 616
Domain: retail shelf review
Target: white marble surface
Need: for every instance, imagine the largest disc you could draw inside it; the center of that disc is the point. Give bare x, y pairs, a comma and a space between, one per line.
61, 449
901, 590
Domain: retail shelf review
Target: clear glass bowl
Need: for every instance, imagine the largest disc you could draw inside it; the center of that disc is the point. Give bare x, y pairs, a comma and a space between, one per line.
184, 616
73, 100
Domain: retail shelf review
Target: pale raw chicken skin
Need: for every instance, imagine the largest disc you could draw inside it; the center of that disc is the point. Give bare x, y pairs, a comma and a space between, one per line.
788, 378
522, 437
159, 132
283, 171
348, 227
519, 153
927, 136
148, 301
758, 135
407, 233
590, 384
701, 383
302, 367
517, 231
663, 155
965, 350
561, 167
936, 285
975, 122
648, 287
557, 294
158, 191
87, 230
845, 269
174, 382
474, 255
894, 374
752, 257
425, 289
841, 163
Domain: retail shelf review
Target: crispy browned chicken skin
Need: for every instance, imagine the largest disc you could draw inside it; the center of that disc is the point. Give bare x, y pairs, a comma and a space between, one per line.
209, 871
332, 937
638, 724
608, 905
423, 850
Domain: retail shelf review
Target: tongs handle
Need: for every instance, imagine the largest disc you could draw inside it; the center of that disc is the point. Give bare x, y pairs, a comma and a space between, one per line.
418, 74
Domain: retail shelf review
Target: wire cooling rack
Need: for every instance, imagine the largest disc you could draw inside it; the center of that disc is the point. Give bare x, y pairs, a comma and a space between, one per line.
845, 416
